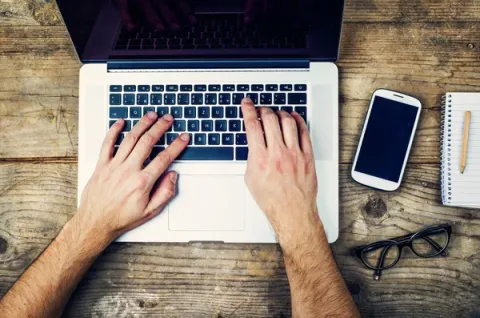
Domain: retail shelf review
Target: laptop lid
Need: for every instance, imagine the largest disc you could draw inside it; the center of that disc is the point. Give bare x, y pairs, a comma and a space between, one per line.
105, 30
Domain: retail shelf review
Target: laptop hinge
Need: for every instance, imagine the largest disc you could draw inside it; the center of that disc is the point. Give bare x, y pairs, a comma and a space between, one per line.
118, 65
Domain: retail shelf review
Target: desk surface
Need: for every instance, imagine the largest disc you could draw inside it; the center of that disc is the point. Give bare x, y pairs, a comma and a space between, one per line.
423, 48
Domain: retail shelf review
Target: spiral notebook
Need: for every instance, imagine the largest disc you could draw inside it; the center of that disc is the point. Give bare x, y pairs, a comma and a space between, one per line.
459, 189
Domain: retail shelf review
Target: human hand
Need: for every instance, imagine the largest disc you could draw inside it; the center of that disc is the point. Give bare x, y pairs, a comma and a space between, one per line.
281, 171
123, 194
160, 14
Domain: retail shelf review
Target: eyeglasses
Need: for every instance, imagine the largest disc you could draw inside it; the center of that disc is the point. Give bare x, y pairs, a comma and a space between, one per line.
426, 243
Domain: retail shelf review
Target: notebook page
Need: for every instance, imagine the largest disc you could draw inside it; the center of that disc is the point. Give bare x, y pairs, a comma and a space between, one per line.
462, 189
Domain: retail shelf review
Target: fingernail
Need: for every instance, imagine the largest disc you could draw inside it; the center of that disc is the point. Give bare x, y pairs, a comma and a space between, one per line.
152, 115
185, 137
247, 100
168, 117
173, 177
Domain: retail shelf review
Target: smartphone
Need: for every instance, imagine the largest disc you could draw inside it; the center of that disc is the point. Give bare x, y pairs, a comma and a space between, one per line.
386, 140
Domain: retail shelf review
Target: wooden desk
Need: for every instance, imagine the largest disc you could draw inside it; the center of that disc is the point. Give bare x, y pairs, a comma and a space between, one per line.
423, 48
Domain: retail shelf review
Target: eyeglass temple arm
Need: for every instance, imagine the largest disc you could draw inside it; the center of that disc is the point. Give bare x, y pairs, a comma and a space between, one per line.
378, 272
433, 243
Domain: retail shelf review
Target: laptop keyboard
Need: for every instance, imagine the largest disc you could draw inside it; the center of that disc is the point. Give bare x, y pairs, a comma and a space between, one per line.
212, 31
210, 113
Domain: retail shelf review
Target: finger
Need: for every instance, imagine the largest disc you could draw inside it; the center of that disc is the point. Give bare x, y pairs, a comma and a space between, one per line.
289, 130
252, 125
125, 15
133, 136
165, 158
271, 126
304, 135
186, 11
145, 144
251, 10
151, 15
168, 15
165, 191
106, 152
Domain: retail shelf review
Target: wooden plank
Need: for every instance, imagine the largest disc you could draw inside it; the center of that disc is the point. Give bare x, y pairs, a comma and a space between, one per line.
206, 279
424, 60
44, 12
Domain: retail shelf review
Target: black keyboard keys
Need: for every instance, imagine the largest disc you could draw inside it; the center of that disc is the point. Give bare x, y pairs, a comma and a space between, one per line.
217, 112
288, 109
241, 153
224, 99
227, 139
207, 125
197, 99
169, 99
172, 88
200, 88
179, 125
204, 112
148, 109
257, 88
302, 111
135, 112
171, 138
183, 99
129, 99
115, 88
162, 111
118, 112
190, 112
211, 99
243, 88
253, 97
231, 112
186, 88
266, 99
301, 87
237, 98
214, 139
297, 98
144, 88
286, 87
241, 139
271, 88
156, 99
228, 88
129, 88
193, 125
214, 88
115, 99
176, 112
280, 99
234, 125
221, 125
207, 153
200, 139
158, 88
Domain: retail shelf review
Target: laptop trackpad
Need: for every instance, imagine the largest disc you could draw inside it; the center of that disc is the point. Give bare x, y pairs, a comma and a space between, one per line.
208, 203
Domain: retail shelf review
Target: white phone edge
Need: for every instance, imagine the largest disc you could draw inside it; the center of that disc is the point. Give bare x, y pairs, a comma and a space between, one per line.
376, 182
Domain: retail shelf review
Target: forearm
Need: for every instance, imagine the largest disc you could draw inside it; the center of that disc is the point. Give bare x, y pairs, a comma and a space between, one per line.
317, 287
44, 289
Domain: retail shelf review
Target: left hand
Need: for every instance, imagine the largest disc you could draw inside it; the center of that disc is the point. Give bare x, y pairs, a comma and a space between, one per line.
122, 193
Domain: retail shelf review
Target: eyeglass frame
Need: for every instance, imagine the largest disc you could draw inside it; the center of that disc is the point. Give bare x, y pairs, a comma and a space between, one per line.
401, 242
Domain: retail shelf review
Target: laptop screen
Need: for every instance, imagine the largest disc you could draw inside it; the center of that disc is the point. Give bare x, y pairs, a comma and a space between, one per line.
138, 29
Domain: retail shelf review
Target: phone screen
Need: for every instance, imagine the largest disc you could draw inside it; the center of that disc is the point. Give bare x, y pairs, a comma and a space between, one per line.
386, 139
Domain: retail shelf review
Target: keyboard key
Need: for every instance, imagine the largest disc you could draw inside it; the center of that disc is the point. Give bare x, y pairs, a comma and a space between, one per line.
266, 99
183, 99
144, 88
110, 124
172, 88
227, 139
129, 99
253, 97
158, 88
243, 88
169, 99
161, 141
115, 99
200, 88
203, 112
224, 99
193, 125
197, 99
231, 112
241, 140
118, 112
200, 139
120, 139
241, 153
135, 122
171, 138
272, 88
297, 99
220, 125
214, 88
228, 88
128, 126
234, 125
176, 112
275, 108
207, 125
190, 140
148, 109
207, 153
257, 88
243, 126
301, 87
186, 88
211, 99
156, 151
280, 99
237, 98
179, 125
156, 99
129, 88
214, 139
190, 112
288, 109
286, 88
142, 99
240, 113
217, 112
162, 111
135, 112
115, 88
302, 111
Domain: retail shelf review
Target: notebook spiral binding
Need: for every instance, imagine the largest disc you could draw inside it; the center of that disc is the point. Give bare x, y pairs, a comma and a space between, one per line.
446, 139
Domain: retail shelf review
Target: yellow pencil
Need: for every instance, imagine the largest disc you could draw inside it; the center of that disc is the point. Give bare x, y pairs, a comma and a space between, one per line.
466, 133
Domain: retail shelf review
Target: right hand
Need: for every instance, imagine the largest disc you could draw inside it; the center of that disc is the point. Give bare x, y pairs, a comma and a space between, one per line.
281, 172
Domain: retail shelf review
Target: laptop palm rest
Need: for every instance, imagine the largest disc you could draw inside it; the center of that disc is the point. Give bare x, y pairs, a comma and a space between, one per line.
208, 203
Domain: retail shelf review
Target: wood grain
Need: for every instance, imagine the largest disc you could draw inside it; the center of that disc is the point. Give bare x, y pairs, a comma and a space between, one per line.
206, 279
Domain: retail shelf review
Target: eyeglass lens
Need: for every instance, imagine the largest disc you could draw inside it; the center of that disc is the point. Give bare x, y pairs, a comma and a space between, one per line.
381, 255
430, 243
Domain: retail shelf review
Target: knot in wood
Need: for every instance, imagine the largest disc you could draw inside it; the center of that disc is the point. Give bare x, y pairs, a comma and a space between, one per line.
375, 207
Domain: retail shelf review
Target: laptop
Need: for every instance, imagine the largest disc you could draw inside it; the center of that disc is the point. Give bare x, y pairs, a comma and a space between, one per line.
284, 59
